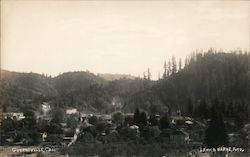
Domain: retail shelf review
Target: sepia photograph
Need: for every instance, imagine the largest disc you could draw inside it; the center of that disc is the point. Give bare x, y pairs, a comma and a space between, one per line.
125, 78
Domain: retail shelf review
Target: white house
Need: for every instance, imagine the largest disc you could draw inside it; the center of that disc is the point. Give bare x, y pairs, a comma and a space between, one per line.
45, 108
71, 111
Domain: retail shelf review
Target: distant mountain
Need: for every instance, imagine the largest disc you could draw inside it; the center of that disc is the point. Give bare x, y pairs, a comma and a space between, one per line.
75, 81
61, 84
111, 77
21, 89
32, 82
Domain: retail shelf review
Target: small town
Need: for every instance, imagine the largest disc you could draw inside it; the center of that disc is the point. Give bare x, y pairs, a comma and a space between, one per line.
58, 133
107, 78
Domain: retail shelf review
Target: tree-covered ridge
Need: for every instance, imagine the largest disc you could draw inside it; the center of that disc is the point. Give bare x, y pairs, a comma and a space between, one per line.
189, 88
211, 74
75, 81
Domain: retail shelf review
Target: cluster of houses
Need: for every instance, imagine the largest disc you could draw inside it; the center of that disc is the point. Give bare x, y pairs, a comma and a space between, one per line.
12, 115
182, 130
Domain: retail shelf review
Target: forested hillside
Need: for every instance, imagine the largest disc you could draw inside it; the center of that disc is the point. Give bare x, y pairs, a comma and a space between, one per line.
75, 81
206, 76
36, 83
190, 89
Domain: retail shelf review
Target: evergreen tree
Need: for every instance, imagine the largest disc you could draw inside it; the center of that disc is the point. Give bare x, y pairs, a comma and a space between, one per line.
169, 70
148, 74
186, 62
216, 134
137, 117
165, 121
144, 76
203, 110
165, 70
174, 65
143, 119
180, 65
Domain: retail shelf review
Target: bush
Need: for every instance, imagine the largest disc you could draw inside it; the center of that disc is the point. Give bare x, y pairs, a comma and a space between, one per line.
54, 138
91, 129
128, 133
72, 120
118, 118
35, 136
150, 132
54, 128
93, 120
101, 127
86, 138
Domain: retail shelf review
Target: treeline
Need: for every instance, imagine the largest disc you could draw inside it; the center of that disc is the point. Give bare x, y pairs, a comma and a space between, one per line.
207, 76
189, 87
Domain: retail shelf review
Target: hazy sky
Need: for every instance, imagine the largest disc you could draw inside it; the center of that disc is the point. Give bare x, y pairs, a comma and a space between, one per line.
53, 36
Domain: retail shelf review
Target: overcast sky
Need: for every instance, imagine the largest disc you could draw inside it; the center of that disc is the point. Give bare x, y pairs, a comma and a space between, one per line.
127, 37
